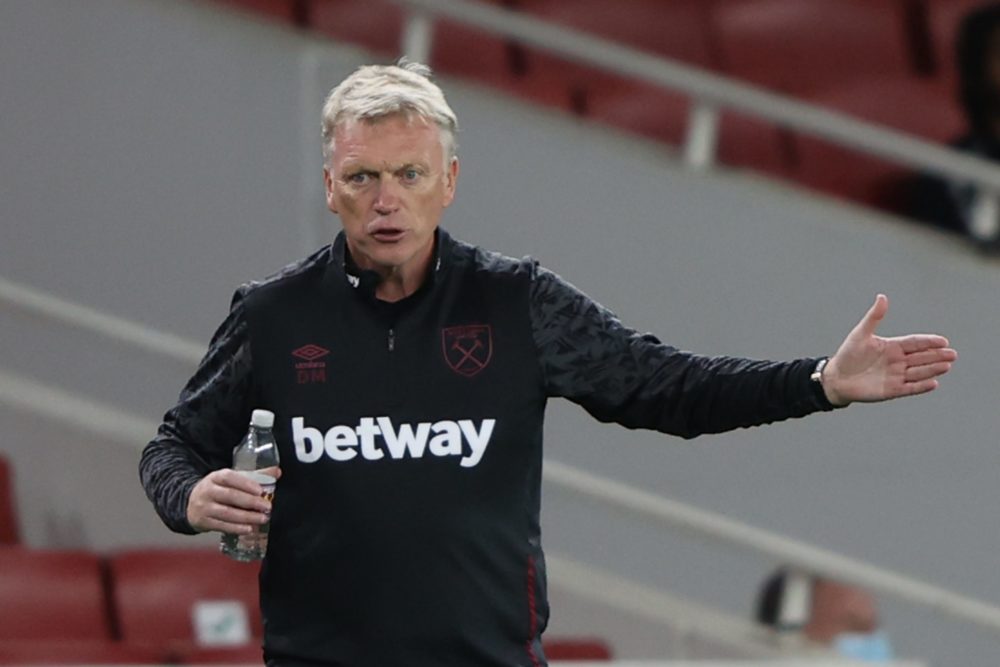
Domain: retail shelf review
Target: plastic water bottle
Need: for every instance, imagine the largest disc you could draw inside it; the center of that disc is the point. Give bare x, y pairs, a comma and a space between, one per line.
256, 457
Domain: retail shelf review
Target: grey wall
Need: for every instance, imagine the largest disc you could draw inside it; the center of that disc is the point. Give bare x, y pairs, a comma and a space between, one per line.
155, 156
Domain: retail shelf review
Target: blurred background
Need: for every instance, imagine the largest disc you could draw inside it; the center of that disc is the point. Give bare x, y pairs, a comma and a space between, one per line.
159, 153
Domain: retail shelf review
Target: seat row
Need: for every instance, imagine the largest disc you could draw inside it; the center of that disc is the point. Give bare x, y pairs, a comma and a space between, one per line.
135, 606
146, 606
888, 62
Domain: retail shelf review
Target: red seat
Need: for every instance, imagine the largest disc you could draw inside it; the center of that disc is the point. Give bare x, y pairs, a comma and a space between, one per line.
677, 30
457, 49
9, 533
156, 592
240, 655
374, 24
576, 648
98, 652
50, 595
748, 141
798, 47
663, 115
917, 108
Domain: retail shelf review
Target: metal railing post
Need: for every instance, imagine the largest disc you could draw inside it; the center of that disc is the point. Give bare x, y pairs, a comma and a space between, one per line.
418, 34
702, 135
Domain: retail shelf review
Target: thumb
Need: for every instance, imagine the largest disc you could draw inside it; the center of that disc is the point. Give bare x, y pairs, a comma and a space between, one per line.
869, 323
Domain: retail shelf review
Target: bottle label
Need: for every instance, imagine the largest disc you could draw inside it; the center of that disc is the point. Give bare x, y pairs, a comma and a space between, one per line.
267, 482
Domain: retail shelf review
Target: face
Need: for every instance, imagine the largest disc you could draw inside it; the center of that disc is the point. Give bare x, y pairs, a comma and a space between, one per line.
389, 183
839, 608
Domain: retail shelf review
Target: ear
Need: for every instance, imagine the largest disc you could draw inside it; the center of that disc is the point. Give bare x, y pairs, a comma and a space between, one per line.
331, 201
450, 181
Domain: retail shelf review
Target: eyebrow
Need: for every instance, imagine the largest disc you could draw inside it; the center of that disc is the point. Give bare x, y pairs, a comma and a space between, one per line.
356, 168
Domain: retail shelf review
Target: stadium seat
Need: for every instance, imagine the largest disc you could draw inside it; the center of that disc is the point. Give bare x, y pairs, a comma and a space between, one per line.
157, 592
457, 49
373, 24
576, 648
67, 652
915, 107
799, 47
751, 142
52, 595
9, 525
675, 30
241, 655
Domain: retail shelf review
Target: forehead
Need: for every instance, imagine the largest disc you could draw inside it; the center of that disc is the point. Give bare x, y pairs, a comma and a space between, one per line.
392, 139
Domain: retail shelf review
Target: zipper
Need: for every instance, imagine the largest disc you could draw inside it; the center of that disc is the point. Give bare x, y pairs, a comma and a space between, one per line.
392, 339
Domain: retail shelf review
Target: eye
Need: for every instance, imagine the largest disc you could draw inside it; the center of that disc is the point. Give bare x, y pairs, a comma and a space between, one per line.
359, 178
410, 175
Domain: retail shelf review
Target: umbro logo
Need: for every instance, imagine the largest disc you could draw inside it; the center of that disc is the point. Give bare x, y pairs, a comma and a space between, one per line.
310, 352
310, 369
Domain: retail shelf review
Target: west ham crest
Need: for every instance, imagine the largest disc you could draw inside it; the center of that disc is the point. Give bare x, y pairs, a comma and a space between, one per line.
468, 348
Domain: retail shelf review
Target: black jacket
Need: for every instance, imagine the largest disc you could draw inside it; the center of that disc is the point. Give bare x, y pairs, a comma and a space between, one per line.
405, 528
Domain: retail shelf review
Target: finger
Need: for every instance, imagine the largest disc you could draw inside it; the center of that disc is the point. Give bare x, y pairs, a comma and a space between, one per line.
934, 356
921, 373
869, 323
237, 516
239, 499
919, 342
915, 388
226, 527
235, 480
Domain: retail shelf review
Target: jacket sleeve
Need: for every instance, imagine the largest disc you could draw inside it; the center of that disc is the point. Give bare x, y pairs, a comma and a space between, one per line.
618, 375
199, 433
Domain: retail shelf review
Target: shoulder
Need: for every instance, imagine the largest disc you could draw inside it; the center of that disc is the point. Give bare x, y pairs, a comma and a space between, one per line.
479, 260
298, 275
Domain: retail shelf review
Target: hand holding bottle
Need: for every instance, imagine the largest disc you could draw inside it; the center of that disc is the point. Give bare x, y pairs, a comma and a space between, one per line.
230, 502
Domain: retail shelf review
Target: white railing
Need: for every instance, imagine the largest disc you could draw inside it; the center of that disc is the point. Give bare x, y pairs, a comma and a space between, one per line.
709, 93
50, 403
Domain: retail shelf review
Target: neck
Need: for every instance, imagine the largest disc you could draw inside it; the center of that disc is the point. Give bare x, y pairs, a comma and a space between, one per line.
394, 285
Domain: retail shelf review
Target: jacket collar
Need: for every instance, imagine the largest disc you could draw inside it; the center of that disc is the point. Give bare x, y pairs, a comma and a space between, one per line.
345, 272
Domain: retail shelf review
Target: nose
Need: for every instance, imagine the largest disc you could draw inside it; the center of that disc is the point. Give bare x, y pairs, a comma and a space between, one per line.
387, 197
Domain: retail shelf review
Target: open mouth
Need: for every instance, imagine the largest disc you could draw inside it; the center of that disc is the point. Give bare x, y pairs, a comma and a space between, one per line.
388, 235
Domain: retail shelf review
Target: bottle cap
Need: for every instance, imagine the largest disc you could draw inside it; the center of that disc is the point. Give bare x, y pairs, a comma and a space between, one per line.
262, 419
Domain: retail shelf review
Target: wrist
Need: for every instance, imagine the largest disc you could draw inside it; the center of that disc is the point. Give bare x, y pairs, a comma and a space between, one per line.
825, 376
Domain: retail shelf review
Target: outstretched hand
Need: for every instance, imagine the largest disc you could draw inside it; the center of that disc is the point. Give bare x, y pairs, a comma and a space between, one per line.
871, 368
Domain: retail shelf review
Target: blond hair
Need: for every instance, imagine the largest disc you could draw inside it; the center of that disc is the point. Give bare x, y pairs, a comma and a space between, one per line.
374, 92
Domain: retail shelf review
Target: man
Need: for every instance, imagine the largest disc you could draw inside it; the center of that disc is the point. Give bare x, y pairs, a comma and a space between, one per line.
826, 612
409, 373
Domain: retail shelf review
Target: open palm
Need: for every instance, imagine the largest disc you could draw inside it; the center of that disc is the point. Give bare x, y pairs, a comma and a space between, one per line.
869, 368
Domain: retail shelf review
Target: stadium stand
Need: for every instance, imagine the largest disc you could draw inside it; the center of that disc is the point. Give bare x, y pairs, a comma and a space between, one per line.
833, 53
839, 171
240, 655
801, 47
52, 595
69, 652
155, 593
676, 30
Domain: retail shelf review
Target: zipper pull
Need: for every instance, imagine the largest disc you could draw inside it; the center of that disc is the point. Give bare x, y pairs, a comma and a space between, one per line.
392, 339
